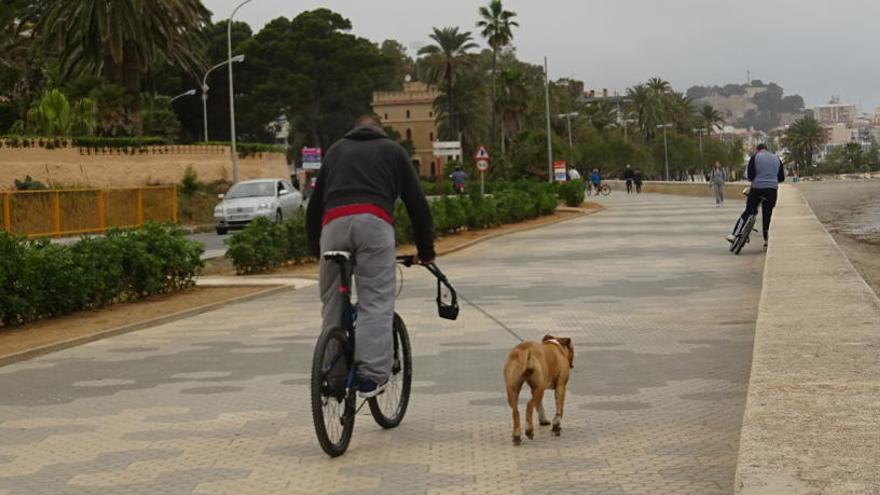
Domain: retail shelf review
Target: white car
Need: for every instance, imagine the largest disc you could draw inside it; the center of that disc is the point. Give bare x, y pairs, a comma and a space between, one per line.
275, 199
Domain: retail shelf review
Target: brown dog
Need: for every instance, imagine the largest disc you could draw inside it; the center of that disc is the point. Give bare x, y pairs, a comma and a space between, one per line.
543, 366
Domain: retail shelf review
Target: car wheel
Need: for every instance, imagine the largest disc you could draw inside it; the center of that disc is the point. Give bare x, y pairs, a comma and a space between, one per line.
279, 217
222, 231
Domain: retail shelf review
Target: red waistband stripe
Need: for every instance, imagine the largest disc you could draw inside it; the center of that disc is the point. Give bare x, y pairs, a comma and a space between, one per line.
356, 209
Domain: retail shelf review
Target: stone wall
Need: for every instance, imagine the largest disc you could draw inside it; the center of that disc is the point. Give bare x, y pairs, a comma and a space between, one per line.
71, 167
732, 190
812, 417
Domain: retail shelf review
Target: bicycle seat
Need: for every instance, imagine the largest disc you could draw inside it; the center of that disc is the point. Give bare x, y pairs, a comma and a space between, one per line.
337, 256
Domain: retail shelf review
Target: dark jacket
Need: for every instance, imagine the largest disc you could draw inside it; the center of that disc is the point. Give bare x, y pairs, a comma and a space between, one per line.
366, 166
628, 174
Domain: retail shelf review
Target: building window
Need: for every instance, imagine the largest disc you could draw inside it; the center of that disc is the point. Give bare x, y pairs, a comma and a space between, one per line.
409, 134
407, 114
432, 136
386, 116
430, 114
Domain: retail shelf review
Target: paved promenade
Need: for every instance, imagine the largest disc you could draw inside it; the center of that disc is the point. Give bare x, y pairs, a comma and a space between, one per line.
662, 317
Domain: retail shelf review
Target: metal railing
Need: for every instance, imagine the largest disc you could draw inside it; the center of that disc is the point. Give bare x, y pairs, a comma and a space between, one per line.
68, 212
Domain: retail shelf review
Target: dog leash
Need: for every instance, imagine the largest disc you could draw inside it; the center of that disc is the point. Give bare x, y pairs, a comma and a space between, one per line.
496, 320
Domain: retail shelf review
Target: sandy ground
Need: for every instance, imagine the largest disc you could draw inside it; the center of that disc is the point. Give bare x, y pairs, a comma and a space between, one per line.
850, 210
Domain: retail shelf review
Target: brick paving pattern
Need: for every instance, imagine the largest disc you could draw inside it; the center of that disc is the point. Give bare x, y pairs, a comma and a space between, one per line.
662, 317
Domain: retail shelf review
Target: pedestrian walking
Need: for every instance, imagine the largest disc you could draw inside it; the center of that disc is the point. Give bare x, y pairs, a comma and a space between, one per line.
637, 179
573, 174
596, 180
717, 178
628, 177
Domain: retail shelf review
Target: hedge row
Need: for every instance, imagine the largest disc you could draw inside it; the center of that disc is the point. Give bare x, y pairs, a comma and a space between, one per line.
263, 245
39, 279
573, 192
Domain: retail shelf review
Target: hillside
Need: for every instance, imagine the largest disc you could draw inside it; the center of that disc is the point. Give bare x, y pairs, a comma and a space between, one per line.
758, 105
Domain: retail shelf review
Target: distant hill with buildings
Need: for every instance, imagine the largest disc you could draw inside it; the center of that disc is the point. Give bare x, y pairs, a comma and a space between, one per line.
750, 106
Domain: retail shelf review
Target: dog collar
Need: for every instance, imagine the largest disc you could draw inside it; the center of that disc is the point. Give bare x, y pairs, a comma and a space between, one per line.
560, 346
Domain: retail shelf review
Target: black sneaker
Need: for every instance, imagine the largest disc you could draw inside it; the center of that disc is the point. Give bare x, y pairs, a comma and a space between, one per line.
368, 389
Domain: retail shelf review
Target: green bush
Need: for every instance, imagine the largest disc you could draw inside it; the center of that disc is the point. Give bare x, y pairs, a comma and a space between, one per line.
572, 192
39, 279
263, 245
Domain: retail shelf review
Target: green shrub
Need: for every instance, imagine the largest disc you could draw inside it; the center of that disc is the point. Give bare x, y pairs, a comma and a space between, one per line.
39, 279
455, 214
572, 192
402, 224
29, 184
260, 246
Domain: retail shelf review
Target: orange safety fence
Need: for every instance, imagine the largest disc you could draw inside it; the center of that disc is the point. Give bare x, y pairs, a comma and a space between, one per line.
67, 212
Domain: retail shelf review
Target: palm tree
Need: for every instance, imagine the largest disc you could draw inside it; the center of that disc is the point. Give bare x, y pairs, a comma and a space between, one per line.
659, 86
449, 52
513, 101
496, 24
803, 139
643, 106
122, 39
710, 118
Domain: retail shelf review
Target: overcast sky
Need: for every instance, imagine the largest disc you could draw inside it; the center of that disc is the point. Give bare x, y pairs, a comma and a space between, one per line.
815, 48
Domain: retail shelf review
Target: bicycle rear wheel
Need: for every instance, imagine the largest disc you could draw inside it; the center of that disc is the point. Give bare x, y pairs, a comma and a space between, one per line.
605, 190
389, 408
332, 405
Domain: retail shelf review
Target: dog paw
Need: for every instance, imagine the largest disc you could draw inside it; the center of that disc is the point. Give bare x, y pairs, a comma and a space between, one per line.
530, 434
543, 422
517, 440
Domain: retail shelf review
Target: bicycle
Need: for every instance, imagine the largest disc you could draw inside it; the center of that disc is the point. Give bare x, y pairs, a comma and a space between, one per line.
333, 387
744, 235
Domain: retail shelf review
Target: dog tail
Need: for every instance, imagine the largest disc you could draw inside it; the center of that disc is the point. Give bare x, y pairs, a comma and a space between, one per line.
528, 363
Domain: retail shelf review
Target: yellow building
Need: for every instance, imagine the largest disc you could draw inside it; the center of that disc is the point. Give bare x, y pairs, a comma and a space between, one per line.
411, 113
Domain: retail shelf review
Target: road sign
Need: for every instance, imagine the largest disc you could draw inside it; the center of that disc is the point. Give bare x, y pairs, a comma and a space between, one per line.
311, 158
559, 170
482, 165
447, 148
482, 154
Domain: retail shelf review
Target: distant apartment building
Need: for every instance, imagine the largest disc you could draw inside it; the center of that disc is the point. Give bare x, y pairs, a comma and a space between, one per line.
411, 113
835, 113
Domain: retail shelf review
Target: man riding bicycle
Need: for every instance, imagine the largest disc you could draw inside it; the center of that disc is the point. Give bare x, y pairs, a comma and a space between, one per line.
765, 172
352, 209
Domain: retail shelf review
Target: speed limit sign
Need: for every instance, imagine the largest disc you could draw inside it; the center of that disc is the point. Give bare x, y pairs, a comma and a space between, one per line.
482, 165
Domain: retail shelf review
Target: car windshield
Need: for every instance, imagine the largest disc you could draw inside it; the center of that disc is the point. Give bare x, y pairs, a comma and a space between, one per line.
251, 190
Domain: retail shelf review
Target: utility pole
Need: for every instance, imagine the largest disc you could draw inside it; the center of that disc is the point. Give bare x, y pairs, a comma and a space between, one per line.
700, 131
547, 109
665, 147
233, 150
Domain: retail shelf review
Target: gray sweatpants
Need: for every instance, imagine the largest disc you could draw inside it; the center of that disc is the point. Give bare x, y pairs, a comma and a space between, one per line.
371, 241
719, 192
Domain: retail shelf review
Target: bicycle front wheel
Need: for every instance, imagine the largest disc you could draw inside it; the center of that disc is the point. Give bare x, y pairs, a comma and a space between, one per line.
746, 233
389, 408
332, 404
605, 190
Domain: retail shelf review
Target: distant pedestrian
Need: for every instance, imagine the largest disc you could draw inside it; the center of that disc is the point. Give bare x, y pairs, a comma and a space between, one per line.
458, 179
717, 178
628, 177
595, 180
573, 174
637, 179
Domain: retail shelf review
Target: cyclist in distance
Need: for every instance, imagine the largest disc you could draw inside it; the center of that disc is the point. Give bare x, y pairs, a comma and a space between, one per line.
352, 209
765, 172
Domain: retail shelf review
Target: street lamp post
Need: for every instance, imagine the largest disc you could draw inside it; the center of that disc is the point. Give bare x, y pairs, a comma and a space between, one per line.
700, 131
181, 95
567, 117
205, 88
665, 147
547, 109
233, 150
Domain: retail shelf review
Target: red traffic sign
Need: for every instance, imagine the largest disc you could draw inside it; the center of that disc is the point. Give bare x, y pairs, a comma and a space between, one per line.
482, 165
482, 154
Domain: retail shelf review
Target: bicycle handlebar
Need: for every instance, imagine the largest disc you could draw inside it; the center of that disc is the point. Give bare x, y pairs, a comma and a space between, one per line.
449, 310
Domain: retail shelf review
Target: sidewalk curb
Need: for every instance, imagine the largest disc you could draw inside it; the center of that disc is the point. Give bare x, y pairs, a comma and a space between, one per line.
131, 327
